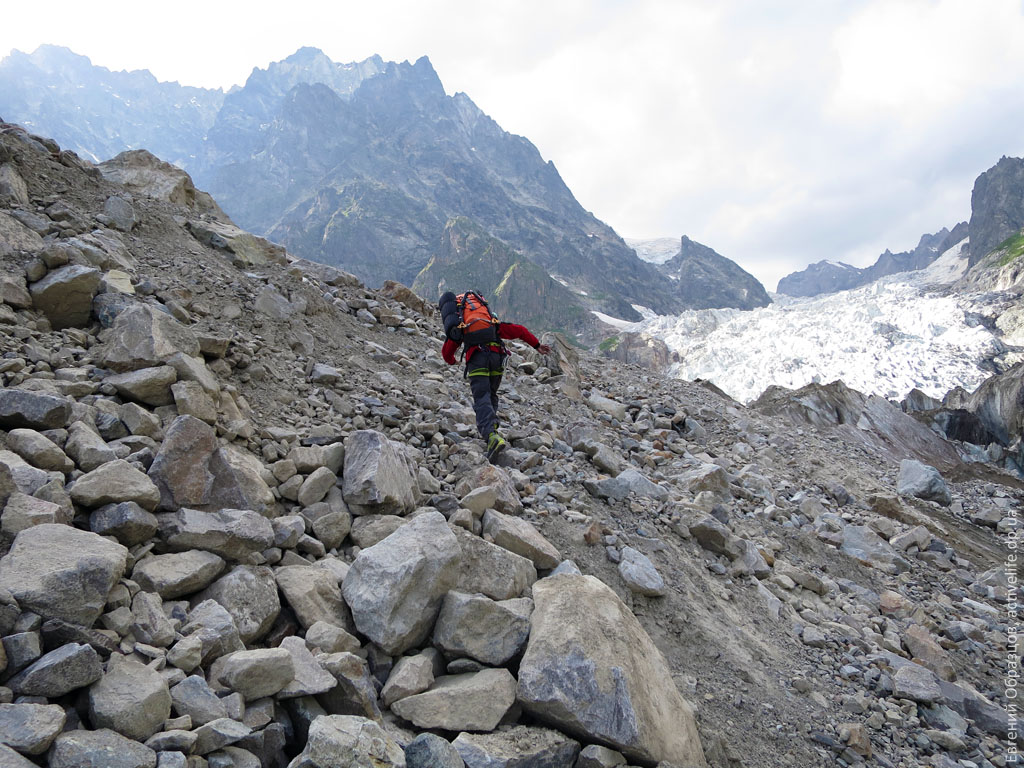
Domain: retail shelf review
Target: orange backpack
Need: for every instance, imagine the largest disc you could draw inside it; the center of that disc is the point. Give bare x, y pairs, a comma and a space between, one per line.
478, 325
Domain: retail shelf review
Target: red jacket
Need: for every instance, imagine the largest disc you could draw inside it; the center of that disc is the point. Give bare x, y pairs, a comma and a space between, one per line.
505, 331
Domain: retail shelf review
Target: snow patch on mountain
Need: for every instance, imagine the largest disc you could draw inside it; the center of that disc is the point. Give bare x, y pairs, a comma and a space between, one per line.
656, 250
885, 338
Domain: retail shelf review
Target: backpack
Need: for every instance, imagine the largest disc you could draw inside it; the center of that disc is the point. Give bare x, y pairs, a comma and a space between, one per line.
478, 325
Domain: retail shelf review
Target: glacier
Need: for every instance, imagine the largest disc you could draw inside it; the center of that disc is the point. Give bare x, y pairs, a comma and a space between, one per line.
899, 333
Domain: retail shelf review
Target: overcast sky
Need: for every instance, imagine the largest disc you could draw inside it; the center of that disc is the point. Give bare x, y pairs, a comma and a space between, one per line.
779, 133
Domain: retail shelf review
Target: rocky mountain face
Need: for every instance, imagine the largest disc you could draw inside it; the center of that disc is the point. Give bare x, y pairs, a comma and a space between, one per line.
516, 289
997, 206
98, 113
245, 520
704, 279
362, 165
831, 276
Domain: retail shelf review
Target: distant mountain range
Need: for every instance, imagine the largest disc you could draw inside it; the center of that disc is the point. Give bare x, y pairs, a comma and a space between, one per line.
365, 166
831, 276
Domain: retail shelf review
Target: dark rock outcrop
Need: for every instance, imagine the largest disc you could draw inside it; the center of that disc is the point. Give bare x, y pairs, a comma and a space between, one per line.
997, 206
704, 279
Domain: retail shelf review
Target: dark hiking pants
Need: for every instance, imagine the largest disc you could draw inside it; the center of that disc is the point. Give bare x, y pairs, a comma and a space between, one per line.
484, 371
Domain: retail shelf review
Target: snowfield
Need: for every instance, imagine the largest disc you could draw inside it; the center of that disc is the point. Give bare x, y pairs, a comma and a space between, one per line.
885, 338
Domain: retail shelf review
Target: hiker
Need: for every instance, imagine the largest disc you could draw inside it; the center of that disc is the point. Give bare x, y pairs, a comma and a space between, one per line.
468, 321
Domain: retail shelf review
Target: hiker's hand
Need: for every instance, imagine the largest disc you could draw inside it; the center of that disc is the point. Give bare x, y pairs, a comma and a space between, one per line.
544, 349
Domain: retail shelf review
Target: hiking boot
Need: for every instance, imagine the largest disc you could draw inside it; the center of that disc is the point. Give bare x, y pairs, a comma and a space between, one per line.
495, 445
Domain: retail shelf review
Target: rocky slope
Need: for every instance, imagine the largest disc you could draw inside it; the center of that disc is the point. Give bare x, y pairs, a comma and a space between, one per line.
832, 276
246, 521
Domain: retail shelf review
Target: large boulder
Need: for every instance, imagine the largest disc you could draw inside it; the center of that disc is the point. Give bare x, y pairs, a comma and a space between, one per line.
150, 386
20, 408
115, 482
922, 481
490, 631
395, 587
254, 674
65, 295
234, 534
348, 741
591, 670
475, 701
379, 477
863, 544
61, 572
519, 536
102, 748
58, 672
249, 594
143, 337
30, 728
313, 595
519, 747
131, 699
192, 469
179, 573
491, 570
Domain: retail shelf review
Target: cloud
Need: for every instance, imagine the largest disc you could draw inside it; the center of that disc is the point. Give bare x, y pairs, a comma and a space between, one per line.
778, 133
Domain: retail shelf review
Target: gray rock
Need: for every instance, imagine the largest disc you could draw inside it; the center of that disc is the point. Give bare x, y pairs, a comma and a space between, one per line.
113, 483
395, 588
863, 544
486, 630
431, 751
87, 448
39, 451
194, 698
580, 629
368, 530
330, 638
23, 511
468, 702
356, 691
149, 622
20, 408
150, 386
60, 671
411, 675
491, 570
378, 476
234, 534
519, 747
218, 734
61, 572
127, 522
175, 740
918, 683
316, 486
65, 295
120, 213
249, 594
922, 481
101, 748
596, 756
497, 479
254, 674
332, 528
519, 536
347, 741
310, 678
313, 595
192, 469
639, 573
215, 630
179, 573
131, 699
144, 337
30, 728
24, 476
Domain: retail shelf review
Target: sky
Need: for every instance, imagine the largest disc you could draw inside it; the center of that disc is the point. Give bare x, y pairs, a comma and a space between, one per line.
778, 132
